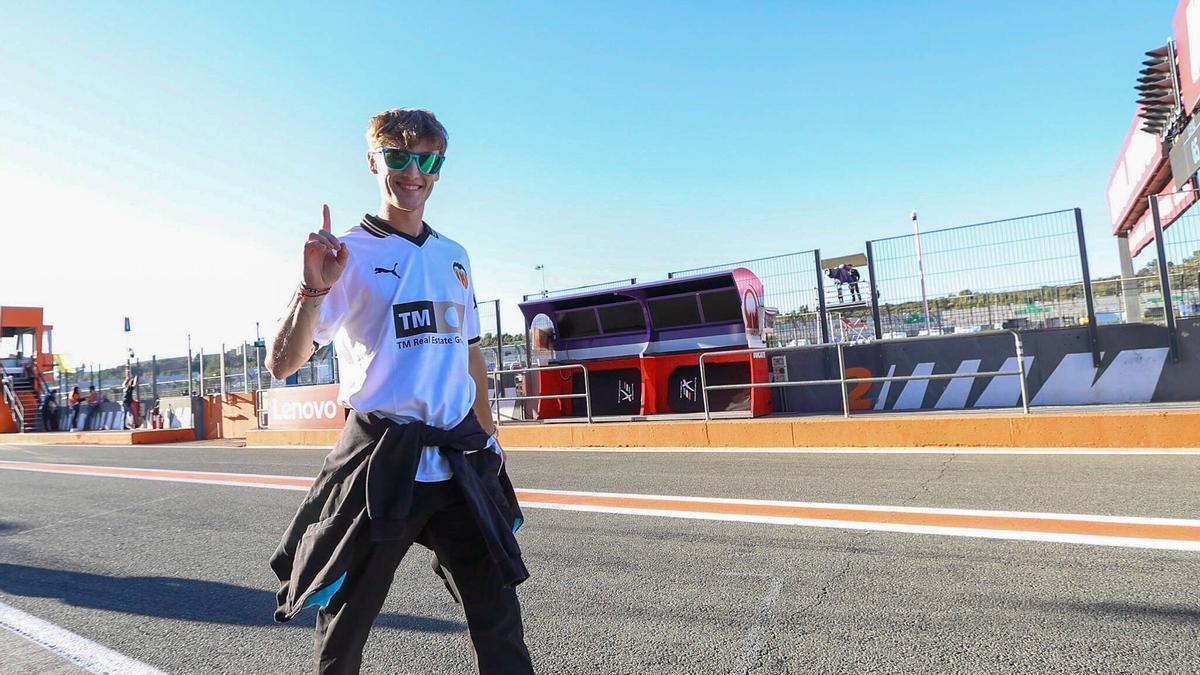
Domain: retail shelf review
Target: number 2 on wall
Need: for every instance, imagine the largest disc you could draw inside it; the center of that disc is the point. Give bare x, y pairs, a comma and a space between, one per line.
857, 395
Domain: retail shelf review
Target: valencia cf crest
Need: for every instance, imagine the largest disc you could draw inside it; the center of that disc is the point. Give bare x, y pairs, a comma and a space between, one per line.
461, 273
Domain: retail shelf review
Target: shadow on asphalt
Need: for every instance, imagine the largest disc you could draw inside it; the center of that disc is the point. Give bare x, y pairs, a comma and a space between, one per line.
175, 598
1186, 613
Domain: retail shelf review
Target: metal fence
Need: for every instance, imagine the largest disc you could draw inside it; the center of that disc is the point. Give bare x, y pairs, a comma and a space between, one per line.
1027, 272
842, 380
793, 284
1017, 273
238, 369
1181, 244
502, 346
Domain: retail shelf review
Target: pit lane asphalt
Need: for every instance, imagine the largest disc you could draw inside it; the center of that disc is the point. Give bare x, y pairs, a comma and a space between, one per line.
175, 574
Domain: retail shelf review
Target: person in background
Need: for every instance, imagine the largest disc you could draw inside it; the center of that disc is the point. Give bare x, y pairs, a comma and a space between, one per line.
76, 401
93, 404
50, 411
838, 274
852, 277
128, 404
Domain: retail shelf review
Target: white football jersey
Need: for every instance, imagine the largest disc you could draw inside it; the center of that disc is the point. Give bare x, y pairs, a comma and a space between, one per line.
400, 318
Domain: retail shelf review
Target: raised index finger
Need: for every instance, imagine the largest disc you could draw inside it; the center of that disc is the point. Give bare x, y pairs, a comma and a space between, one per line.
324, 217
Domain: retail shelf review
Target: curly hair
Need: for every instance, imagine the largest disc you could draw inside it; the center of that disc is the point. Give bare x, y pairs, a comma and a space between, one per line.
404, 127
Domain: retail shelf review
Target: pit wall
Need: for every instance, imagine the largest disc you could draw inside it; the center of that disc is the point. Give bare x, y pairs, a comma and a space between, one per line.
1135, 367
213, 416
229, 416
7, 424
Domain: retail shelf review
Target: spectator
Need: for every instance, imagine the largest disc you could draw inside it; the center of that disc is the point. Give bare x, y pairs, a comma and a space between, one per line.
839, 276
50, 411
842, 275
852, 277
93, 404
128, 404
76, 401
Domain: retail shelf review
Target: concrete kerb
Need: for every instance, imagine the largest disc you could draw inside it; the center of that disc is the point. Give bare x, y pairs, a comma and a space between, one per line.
1124, 430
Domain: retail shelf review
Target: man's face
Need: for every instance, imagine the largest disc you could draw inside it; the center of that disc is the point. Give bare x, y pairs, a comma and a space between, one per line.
406, 190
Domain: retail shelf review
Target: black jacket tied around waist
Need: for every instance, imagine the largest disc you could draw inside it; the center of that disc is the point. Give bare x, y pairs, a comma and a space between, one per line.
364, 493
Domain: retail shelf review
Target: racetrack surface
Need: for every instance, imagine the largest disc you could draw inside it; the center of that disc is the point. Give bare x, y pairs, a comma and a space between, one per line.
174, 574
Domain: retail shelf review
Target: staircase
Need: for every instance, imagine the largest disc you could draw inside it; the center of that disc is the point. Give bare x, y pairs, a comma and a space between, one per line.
23, 386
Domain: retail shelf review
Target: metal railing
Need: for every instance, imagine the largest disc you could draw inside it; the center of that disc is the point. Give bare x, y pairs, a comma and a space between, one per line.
14, 403
548, 294
586, 395
260, 413
842, 380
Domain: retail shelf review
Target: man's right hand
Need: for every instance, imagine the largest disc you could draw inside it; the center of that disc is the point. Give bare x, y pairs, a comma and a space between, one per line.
324, 256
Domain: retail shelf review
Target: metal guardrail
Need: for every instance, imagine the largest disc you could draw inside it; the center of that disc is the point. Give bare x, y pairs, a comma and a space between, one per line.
14, 403
586, 395
260, 414
842, 380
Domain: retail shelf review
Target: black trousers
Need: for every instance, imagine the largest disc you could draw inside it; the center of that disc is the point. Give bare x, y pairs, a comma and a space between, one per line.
441, 521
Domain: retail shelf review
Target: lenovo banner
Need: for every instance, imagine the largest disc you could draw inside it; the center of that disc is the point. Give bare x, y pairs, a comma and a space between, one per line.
1140, 159
313, 407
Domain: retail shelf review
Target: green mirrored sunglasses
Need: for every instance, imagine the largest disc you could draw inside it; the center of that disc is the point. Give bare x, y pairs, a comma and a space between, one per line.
397, 159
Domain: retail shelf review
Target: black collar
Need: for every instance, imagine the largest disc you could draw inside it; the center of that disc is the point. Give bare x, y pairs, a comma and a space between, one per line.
380, 228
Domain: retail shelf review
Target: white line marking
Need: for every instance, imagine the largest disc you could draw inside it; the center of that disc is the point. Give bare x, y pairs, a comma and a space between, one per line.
77, 649
529, 499
168, 479
1015, 535
1130, 520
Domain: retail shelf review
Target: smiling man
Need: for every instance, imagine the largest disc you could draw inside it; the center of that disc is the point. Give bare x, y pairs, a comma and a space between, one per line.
417, 460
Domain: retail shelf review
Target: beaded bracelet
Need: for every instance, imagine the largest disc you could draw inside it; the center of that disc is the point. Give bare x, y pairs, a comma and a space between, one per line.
310, 292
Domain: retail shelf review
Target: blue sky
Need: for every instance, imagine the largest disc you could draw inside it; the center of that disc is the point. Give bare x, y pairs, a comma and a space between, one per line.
166, 162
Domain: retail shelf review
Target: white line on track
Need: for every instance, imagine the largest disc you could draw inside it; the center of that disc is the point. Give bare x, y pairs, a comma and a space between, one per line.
1136, 532
981, 533
885, 509
92, 657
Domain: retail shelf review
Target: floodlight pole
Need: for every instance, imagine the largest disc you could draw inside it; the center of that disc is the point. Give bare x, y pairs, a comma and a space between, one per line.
189, 368
921, 271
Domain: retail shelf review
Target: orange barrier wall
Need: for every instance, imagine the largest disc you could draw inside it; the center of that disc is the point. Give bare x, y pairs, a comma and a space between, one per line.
229, 416
1158, 429
7, 425
1130, 430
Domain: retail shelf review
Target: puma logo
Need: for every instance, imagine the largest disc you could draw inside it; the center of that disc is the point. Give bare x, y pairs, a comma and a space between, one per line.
382, 270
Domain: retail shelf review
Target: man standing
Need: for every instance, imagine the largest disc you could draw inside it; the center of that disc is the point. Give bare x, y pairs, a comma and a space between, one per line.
417, 460
852, 278
93, 405
129, 412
